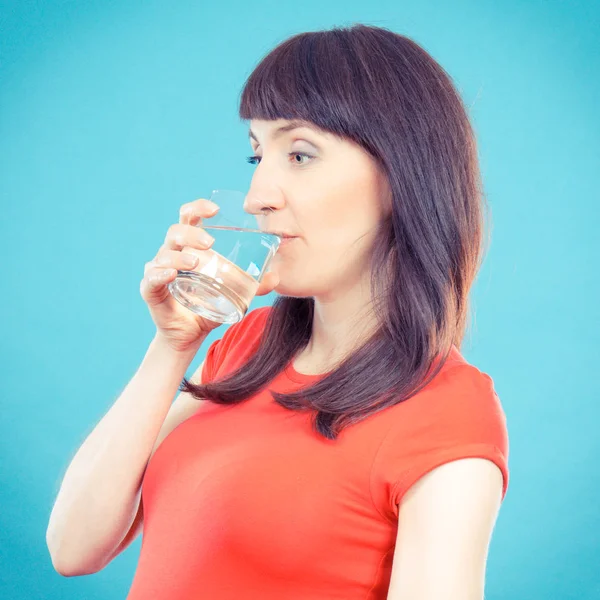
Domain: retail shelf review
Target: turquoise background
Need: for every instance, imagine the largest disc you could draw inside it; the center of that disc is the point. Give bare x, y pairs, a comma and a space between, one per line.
113, 114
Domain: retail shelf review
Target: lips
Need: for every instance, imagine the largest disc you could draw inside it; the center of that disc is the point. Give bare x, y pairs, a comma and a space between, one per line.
286, 241
282, 235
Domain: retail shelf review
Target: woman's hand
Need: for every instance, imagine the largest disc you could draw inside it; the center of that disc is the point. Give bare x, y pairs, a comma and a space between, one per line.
178, 326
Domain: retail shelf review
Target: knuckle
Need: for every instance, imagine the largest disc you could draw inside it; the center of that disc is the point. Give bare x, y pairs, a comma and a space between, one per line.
185, 211
176, 235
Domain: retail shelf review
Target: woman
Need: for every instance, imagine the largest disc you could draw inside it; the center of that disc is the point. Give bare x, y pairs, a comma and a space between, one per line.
342, 446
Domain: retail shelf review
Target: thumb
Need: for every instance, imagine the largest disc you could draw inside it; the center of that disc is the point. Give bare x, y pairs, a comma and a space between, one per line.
269, 282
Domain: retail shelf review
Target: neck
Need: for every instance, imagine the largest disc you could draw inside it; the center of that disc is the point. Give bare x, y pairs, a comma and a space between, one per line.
340, 325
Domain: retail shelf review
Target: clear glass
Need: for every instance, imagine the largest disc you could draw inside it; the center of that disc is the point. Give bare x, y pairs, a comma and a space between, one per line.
222, 285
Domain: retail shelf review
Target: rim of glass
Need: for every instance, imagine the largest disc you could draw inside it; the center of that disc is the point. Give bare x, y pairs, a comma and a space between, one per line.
239, 220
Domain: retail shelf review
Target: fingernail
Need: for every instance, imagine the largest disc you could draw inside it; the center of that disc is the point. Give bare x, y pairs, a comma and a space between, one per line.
205, 238
213, 206
189, 260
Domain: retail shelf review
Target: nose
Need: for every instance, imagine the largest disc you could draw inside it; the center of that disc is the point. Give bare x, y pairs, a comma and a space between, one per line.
263, 202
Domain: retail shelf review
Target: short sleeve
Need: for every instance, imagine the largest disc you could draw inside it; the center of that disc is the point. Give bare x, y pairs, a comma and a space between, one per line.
237, 340
459, 417
210, 360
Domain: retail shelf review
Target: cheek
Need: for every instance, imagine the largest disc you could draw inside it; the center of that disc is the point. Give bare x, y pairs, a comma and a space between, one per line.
314, 266
353, 212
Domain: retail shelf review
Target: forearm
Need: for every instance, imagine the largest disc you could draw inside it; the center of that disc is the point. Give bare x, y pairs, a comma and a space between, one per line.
99, 495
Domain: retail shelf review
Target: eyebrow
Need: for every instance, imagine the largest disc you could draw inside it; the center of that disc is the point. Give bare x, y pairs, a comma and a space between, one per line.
296, 124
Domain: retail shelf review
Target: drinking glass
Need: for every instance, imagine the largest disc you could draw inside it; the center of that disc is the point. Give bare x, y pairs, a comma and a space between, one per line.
228, 274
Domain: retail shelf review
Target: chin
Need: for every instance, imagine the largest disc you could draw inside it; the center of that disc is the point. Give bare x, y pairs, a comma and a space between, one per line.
295, 291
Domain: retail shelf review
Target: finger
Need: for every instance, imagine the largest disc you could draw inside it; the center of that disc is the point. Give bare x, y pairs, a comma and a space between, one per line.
192, 213
179, 236
174, 259
154, 282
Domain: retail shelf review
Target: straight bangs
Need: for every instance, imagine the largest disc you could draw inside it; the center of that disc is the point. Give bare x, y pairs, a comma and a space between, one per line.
309, 78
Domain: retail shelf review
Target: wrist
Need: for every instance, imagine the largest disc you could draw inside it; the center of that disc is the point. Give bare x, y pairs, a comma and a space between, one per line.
183, 351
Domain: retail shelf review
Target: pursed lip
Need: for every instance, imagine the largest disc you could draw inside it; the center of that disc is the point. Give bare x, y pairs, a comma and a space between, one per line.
282, 235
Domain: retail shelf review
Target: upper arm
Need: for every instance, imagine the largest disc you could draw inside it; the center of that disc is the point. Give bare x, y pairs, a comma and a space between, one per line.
445, 523
182, 408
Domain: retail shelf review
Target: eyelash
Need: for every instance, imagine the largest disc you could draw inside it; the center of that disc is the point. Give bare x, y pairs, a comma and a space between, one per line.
253, 160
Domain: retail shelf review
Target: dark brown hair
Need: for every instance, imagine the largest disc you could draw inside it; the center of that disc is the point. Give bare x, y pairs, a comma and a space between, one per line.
384, 92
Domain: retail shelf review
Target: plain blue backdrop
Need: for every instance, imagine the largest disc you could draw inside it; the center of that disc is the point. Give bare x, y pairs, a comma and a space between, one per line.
113, 114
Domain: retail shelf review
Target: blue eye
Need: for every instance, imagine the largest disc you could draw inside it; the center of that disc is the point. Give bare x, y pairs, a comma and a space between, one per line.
254, 160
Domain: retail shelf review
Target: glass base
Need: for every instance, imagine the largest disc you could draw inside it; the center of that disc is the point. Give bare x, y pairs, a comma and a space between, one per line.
207, 297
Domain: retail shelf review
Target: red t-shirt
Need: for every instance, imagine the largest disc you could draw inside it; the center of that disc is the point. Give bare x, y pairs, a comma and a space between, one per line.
247, 501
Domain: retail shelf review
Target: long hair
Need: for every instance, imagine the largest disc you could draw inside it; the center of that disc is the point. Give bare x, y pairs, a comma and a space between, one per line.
384, 92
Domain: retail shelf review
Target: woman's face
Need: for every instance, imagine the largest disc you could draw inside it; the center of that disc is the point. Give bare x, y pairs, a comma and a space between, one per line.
326, 191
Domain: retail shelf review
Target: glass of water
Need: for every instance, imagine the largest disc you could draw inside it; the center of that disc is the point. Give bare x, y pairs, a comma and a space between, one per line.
227, 276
